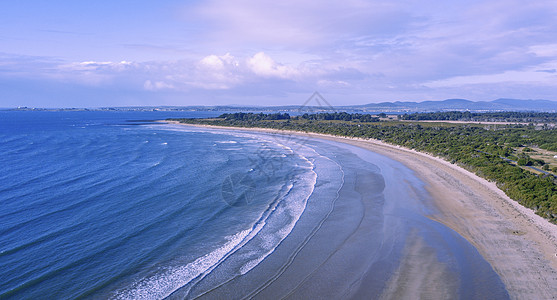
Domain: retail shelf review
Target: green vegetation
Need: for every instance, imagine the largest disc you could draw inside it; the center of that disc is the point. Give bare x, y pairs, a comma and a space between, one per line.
240, 116
487, 150
522, 117
341, 116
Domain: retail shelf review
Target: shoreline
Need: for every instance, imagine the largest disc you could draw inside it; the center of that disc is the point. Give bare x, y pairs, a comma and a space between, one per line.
520, 245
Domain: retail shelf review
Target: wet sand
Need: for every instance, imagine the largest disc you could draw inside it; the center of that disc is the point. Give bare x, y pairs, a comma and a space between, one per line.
520, 246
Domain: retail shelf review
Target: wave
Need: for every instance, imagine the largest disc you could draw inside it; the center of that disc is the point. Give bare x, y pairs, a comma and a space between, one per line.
274, 224
164, 283
294, 207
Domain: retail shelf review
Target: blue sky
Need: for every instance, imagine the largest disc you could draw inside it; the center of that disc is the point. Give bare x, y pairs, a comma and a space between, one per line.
115, 53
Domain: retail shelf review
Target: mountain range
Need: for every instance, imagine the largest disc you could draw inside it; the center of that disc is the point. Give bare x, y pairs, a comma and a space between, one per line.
460, 105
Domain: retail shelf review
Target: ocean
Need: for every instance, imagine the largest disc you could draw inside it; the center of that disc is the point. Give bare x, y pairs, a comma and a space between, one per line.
110, 205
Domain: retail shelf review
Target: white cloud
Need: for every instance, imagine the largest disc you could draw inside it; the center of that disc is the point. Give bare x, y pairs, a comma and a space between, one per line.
157, 85
227, 71
219, 62
263, 65
213, 72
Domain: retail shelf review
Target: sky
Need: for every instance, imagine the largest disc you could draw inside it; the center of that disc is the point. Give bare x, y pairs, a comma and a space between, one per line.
219, 52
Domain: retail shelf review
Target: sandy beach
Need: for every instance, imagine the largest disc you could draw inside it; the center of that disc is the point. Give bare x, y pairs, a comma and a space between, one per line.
520, 246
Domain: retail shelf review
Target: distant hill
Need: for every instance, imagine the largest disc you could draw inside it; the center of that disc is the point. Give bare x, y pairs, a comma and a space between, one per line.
459, 105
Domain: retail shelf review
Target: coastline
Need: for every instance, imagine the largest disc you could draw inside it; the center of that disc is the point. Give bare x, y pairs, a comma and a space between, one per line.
520, 246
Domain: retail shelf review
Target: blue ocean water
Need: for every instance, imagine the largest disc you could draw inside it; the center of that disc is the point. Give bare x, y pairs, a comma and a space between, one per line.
110, 205
94, 205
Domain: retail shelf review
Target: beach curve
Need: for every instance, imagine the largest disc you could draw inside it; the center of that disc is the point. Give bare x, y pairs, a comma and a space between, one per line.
520, 246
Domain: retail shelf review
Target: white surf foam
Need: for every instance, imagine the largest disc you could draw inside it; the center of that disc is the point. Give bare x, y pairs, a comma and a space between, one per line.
273, 226
164, 283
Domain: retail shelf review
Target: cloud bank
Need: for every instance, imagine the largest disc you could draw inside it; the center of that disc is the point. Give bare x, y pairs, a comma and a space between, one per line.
268, 52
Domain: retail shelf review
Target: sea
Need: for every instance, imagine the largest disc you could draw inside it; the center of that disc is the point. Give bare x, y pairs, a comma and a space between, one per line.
98, 201
112, 205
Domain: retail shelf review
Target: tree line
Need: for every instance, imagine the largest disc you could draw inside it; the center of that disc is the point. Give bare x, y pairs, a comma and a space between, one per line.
338, 116
511, 116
